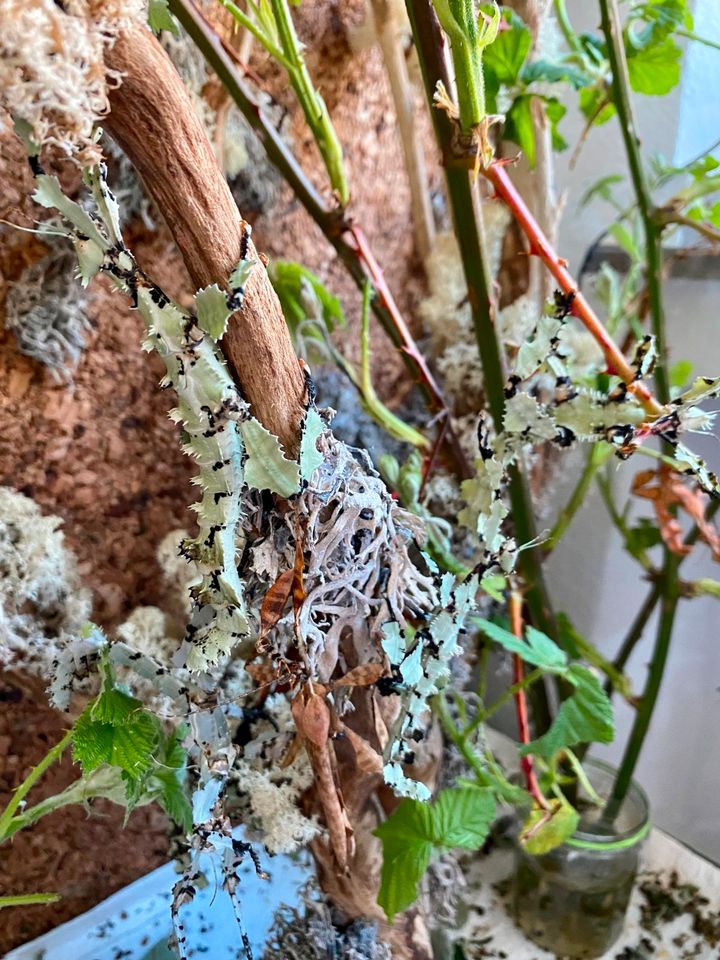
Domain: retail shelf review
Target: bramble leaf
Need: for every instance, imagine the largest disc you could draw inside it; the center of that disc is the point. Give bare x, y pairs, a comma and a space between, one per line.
585, 716
506, 55
536, 648
460, 817
115, 729
655, 69
159, 17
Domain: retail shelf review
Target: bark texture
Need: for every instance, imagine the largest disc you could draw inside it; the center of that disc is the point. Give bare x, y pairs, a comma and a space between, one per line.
153, 120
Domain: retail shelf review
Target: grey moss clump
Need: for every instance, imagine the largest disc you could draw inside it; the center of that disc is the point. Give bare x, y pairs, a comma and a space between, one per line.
42, 604
312, 934
47, 311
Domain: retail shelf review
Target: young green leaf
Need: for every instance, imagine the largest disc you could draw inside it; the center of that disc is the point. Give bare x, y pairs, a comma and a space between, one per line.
303, 295
460, 817
549, 71
601, 188
519, 126
537, 649
115, 729
595, 105
680, 374
506, 56
584, 717
655, 69
159, 17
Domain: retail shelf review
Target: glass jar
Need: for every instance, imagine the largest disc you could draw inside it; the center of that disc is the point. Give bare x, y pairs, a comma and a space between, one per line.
572, 900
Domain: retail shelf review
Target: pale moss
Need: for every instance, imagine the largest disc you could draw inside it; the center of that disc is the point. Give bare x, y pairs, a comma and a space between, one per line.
178, 572
42, 603
150, 631
52, 69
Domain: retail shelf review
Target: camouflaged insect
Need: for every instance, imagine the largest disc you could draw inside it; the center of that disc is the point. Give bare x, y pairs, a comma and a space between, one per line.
564, 413
420, 667
232, 449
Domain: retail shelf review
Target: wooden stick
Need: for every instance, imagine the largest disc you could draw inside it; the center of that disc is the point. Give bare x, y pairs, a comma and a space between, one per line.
153, 120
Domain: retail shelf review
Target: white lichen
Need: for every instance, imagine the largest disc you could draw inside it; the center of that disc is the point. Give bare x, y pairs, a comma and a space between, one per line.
42, 603
47, 311
150, 631
52, 70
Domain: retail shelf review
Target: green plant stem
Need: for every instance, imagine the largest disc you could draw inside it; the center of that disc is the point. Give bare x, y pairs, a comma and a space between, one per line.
706, 41
312, 103
429, 45
506, 697
249, 24
563, 21
29, 782
612, 29
643, 717
28, 899
599, 454
349, 243
391, 423
582, 777
460, 741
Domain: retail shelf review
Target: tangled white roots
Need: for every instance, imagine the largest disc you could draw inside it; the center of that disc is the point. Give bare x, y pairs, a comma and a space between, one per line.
358, 546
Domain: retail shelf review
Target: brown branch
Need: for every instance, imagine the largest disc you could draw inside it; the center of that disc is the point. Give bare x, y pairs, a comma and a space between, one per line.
153, 120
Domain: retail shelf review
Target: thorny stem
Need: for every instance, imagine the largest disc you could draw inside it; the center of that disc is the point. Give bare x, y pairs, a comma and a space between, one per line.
429, 44
526, 763
350, 244
29, 782
612, 29
599, 454
670, 596
540, 246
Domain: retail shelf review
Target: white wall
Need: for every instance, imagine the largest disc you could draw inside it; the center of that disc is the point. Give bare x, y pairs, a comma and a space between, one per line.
591, 577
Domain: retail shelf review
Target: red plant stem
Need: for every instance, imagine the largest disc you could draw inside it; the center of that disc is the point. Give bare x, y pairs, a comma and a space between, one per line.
358, 244
361, 248
540, 246
526, 764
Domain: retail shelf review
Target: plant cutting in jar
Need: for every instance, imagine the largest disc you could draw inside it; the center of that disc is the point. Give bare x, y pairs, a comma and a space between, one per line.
343, 617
